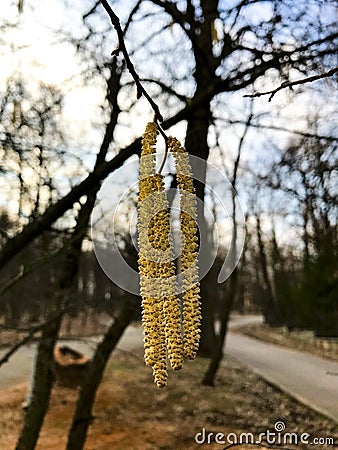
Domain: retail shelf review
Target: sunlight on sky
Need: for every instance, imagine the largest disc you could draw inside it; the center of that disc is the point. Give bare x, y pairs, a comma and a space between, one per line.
37, 55
35, 50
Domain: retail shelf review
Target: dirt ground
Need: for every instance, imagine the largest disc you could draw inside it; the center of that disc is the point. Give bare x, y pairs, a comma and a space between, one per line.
300, 340
131, 413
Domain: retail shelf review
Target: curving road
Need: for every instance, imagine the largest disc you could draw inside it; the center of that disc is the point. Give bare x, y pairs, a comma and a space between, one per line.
310, 379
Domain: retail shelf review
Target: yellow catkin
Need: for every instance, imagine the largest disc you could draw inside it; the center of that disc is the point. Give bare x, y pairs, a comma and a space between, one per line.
160, 304
189, 267
152, 306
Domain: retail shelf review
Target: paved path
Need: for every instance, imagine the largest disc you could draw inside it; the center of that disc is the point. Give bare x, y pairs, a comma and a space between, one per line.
20, 365
310, 379
240, 321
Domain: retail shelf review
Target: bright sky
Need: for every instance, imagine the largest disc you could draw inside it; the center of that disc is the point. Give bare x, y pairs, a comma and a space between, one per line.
34, 49
37, 57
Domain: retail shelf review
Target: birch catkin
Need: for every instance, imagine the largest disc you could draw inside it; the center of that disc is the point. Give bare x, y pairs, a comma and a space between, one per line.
189, 267
164, 331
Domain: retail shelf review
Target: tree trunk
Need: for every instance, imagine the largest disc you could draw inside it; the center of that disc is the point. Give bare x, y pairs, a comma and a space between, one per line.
43, 381
196, 144
270, 309
209, 377
210, 374
83, 413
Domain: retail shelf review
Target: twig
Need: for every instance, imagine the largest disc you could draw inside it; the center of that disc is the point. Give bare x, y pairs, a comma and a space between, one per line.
140, 89
25, 270
290, 84
31, 333
91, 11
277, 128
122, 48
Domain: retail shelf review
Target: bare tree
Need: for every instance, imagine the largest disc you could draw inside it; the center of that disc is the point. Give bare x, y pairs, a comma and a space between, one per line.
226, 50
43, 381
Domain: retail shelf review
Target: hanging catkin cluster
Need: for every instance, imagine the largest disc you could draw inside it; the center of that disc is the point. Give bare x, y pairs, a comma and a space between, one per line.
165, 333
189, 268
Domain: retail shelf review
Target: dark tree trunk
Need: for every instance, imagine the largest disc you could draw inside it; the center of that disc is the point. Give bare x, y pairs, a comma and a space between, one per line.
83, 413
196, 144
270, 308
217, 356
211, 372
43, 381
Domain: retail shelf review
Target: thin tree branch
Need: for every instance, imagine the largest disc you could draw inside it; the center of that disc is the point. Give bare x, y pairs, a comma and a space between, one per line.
25, 270
140, 89
91, 11
277, 128
290, 84
240, 145
183, 20
164, 87
30, 333
122, 48
131, 16
180, 18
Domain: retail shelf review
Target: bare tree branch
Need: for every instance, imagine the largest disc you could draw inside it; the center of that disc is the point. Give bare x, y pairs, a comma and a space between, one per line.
91, 11
25, 270
179, 17
140, 89
290, 84
164, 87
277, 128
122, 48
31, 332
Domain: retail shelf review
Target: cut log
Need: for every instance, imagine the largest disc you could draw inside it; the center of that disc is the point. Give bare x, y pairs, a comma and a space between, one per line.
70, 366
